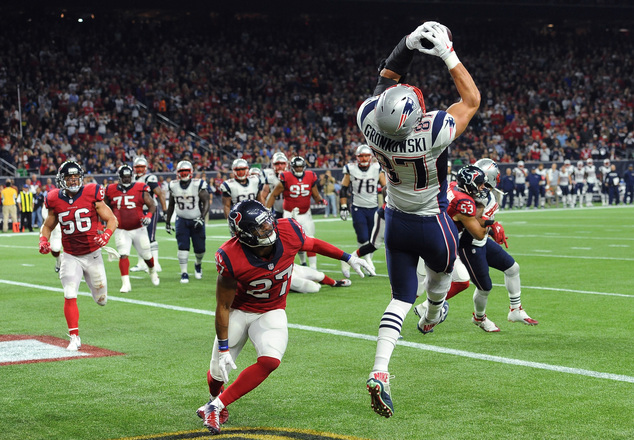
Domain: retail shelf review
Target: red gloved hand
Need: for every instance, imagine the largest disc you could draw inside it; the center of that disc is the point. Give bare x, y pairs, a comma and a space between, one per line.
45, 246
324, 202
498, 234
102, 239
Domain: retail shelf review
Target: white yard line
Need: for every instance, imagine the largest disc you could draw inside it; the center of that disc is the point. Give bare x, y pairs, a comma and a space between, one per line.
426, 347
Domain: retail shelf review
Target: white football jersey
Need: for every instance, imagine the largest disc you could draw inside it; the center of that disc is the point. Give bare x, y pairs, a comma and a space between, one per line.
416, 167
151, 181
579, 174
520, 175
187, 200
564, 176
363, 184
604, 171
241, 191
272, 180
591, 174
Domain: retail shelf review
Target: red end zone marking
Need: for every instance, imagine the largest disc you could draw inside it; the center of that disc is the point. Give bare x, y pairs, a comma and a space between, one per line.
86, 351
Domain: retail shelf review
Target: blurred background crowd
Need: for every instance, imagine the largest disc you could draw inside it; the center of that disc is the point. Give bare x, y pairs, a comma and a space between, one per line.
104, 88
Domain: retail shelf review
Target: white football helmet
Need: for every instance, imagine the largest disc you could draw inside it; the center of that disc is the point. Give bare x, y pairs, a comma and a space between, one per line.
399, 110
364, 156
520, 164
140, 166
280, 162
491, 170
590, 161
580, 164
184, 171
240, 168
255, 172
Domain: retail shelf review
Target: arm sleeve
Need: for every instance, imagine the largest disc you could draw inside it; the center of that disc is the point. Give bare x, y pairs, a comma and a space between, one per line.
323, 248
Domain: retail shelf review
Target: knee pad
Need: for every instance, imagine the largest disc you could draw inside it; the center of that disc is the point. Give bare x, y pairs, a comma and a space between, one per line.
182, 256
70, 291
268, 363
514, 270
438, 284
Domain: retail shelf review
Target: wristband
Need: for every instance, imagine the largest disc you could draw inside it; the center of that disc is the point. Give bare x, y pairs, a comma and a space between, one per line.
346, 257
148, 215
107, 232
452, 60
343, 207
223, 344
44, 239
488, 223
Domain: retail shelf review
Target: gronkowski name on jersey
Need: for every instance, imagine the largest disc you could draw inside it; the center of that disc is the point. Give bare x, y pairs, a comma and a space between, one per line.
187, 200
262, 283
77, 217
416, 167
363, 184
241, 191
297, 191
127, 204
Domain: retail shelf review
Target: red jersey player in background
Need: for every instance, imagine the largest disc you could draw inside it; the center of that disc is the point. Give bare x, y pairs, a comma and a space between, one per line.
127, 199
297, 186
254, 276
79, 209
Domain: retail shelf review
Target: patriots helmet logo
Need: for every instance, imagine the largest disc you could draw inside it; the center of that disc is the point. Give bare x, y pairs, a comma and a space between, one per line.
408, 109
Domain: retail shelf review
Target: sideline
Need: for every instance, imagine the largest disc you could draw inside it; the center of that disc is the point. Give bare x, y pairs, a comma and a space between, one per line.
426, 347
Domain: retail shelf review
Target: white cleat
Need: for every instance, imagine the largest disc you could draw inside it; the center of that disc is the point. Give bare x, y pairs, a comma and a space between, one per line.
345, 269
519, 315
157, 266
140, 267
75, 343
125, 286
154, 277
485, 324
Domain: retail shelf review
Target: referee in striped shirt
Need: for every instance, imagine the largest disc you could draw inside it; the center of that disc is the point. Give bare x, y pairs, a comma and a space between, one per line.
25, 200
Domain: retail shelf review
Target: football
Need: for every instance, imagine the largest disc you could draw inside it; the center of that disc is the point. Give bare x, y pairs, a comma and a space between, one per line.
428, 44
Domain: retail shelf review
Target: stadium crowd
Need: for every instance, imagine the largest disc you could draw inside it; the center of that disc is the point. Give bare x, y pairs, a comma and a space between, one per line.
96, 91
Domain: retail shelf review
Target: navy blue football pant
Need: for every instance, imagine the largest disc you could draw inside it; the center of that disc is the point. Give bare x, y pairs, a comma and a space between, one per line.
363, 222
477, 260
409, 237
185, 231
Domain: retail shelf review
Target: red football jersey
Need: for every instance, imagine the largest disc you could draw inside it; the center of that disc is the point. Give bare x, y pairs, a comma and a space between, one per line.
77, 217
297, 192
127, 204
460, 202
262, 284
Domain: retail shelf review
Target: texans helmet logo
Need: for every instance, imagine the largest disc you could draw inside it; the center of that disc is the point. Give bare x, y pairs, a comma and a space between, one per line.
238, 217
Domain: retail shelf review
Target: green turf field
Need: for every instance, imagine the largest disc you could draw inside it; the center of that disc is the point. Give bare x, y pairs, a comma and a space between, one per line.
570, 377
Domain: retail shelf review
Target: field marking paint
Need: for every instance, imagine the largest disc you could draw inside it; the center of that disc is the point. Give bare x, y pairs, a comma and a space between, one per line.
426, 347
572, 257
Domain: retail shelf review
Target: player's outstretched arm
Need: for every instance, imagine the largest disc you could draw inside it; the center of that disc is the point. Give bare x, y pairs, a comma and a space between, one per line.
270, 200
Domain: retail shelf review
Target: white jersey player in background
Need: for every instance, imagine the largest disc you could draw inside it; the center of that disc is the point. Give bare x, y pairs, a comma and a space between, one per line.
361, 181
411, 144
591, 180
140, 166
579, 178
520, 173
241, 187
279, 162
189, 198
604, 170
565, 180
